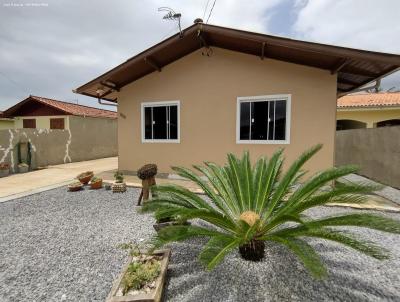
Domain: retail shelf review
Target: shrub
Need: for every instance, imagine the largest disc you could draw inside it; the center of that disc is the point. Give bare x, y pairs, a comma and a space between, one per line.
251, 205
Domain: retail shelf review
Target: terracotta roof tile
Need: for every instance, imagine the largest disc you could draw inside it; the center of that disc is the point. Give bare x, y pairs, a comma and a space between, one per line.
381, 99
75, 109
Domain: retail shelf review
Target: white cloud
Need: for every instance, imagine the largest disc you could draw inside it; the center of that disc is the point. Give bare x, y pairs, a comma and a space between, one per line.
367, 24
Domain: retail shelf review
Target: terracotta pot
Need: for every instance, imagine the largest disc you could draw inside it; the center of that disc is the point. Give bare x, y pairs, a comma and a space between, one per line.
74, 187
85, 177
96, 185
154, 295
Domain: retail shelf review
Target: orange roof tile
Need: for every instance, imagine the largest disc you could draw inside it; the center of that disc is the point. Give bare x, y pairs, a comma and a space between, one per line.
381, 99
75, 109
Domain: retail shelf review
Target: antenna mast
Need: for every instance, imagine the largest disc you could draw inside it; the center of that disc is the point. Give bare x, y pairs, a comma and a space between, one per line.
172, 16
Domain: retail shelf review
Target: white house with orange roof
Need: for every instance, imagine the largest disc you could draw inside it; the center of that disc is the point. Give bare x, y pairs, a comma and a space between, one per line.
369, 110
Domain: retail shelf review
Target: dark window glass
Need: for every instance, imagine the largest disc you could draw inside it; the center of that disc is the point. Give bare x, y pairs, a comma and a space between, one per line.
245, 121
280, 120
263, 120
259, 120
173, 122
160, 122
271, 105
147, 123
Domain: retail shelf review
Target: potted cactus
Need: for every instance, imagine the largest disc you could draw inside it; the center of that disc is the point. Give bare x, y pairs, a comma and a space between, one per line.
119, 185
96, 183
23, 167
4, 169
75, 186
85, 177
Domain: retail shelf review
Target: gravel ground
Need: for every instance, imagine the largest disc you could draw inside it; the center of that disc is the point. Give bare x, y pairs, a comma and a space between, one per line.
59, 246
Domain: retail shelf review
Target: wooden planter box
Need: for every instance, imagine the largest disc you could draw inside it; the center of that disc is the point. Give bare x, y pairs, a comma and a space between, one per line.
154, 295
159, 226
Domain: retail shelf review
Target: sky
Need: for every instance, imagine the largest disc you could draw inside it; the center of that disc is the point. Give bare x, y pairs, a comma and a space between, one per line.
49, 47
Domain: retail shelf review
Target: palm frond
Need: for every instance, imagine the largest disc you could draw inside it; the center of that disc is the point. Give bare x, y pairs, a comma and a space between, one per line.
287, 179
216, 249
304, 252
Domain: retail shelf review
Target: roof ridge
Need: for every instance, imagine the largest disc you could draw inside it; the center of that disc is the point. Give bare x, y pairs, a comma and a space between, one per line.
42, 97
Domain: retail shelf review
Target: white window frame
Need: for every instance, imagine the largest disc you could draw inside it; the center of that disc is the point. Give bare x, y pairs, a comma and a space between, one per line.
160, 104
263, 98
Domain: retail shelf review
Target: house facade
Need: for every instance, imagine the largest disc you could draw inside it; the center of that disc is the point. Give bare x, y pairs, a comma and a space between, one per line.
212, 90
49, 132
6, 123
368, 110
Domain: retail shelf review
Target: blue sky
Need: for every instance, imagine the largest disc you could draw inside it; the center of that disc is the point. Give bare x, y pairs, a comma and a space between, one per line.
49, 50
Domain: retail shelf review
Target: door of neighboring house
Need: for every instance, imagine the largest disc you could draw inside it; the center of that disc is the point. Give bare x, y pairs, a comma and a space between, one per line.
29, 123
57, 123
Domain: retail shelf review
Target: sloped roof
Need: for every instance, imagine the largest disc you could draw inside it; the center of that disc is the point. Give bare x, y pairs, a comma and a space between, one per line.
381, 99
354, 68
68, 108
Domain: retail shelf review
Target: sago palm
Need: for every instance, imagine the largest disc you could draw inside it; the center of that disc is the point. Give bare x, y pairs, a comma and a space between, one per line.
250, 205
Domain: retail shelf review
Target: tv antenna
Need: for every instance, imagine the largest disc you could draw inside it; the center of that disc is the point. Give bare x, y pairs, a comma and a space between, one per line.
172, 16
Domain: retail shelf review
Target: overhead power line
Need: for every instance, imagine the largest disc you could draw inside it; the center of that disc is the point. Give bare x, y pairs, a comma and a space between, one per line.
205, 9
212, 7
14, 83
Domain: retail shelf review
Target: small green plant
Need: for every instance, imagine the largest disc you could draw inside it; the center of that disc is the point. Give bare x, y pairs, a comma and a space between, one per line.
143, 270
119, 177
95, 179
139, 274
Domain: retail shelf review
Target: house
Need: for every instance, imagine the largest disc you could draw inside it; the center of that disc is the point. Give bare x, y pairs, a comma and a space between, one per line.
49, 132
43, 113
6, 123
211, 90
368, 110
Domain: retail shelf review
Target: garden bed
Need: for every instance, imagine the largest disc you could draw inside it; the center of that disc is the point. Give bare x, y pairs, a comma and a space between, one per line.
58, 246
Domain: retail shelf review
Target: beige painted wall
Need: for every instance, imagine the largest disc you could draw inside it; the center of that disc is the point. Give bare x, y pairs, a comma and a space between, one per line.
6, 124
369, 116
207, 88
42, 122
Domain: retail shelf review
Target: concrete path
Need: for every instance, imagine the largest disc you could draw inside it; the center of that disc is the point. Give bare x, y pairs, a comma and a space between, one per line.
19, 185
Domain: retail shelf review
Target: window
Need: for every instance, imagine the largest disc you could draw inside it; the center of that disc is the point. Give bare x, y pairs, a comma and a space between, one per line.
263, 119
57, 123
29, 123
160, 122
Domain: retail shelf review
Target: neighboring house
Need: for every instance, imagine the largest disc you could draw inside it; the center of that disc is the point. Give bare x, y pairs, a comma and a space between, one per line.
48, 132
42, 113
369, 110
212, 90
6, 123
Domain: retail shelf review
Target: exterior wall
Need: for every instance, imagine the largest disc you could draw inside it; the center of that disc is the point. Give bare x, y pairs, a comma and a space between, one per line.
42, 122
376, 151
207, 88
87, 138
6, 124
369, 116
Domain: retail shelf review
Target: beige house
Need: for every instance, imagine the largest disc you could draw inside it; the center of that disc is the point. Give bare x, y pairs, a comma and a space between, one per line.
6, 123
43, 113
212, 90
368, 110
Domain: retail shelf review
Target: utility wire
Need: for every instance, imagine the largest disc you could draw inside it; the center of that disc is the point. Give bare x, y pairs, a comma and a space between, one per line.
211, 11
205, 9
15, 83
